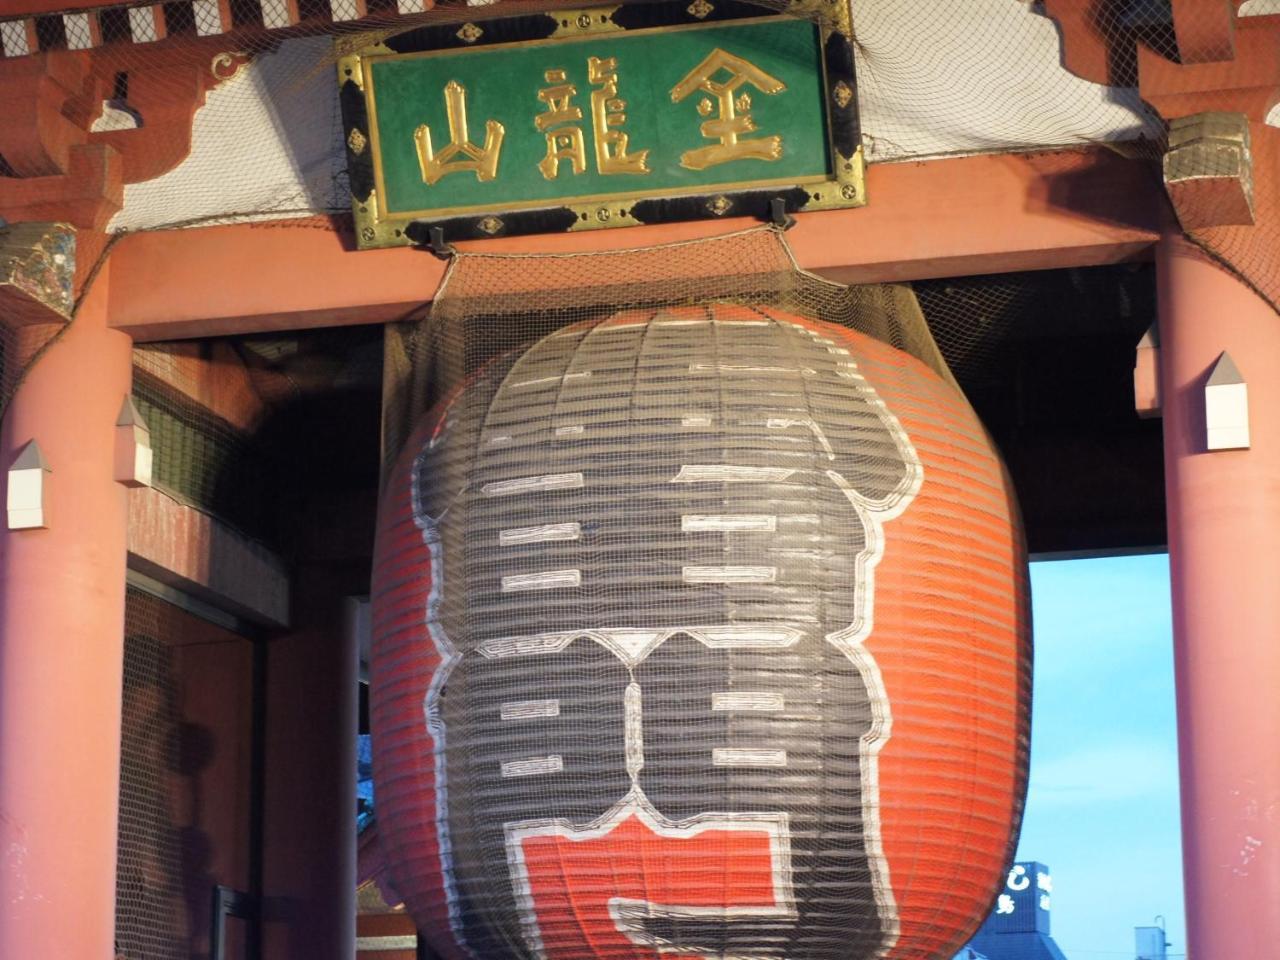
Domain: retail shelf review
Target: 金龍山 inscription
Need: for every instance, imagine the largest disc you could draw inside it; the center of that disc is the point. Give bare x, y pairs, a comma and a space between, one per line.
616, 117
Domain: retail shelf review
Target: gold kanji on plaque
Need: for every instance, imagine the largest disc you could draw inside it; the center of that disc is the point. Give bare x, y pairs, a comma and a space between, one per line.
483, 161
721, 74
607, 117
564, 142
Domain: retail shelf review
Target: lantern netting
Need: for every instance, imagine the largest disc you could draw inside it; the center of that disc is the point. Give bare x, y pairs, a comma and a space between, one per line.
492, 303
699, 615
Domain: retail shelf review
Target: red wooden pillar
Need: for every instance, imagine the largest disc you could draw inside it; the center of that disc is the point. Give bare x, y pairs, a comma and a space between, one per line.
1224, 554
310, 795
61, 652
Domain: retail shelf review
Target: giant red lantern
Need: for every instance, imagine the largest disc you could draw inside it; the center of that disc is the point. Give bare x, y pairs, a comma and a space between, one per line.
699, 631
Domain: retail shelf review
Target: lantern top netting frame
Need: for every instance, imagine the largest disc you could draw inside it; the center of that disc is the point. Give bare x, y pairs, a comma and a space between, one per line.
490, 304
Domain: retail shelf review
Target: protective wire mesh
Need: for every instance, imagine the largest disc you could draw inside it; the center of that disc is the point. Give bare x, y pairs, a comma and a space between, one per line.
714, 592
976, 320
185, 757
151, 913
979, 76
19, 348
490, 303
1109, 40
199, 457
983, 75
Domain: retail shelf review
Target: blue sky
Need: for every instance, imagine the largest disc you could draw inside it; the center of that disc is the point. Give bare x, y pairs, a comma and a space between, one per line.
1102, 809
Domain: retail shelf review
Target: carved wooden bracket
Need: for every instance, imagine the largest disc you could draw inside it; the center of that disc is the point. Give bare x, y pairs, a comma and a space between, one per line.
1098, 40
1224, 62
165, 93
1248, 83
1205, 29
55, 166
1089, 49
35, 136
1227, 66
86, 195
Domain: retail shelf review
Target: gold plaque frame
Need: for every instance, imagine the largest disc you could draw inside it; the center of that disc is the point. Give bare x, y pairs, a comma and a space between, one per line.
844, 187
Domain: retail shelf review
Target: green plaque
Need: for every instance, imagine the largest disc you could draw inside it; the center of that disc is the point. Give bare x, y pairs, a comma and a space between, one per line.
597, 118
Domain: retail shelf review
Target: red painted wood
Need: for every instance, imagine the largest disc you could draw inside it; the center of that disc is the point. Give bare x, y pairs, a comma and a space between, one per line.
1224, 551
983, 214
62, 620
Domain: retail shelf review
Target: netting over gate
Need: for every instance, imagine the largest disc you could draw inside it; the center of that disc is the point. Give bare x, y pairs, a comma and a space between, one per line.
185, 779
975, 320
151, 914
972, 77
20, 347
700, 618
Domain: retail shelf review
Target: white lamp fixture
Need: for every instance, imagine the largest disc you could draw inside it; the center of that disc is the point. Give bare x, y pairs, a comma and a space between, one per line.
1226, 407
1146, 374
133, 447
27, 499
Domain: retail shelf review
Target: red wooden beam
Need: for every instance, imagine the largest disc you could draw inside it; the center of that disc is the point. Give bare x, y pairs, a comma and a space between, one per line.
1249, 83
925, 219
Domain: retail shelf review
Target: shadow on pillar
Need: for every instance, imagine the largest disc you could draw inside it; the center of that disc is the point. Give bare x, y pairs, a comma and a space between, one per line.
319, 453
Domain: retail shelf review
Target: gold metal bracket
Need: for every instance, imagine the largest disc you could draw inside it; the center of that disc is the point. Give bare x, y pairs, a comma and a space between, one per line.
849, 188
584, 21
600, 216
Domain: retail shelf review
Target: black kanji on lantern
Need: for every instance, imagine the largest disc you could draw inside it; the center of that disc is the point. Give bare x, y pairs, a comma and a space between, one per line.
654, 540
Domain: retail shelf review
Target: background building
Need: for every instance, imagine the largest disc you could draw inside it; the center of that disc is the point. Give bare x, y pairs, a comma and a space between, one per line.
1150, 943
1018, 926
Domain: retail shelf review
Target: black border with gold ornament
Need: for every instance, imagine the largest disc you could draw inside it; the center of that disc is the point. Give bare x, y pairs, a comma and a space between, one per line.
844, 188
